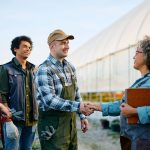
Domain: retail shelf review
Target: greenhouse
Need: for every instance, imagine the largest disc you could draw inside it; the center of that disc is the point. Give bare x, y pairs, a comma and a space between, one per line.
105, 62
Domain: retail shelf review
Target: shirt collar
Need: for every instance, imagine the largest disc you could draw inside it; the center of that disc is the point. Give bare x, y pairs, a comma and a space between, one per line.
16, 62
57, 62
146, 75
28, 65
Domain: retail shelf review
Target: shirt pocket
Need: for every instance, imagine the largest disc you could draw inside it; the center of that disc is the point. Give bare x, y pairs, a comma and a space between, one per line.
15, 77
15, 81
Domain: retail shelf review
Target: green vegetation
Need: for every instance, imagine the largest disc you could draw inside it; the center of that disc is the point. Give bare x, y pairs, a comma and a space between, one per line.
95, 147
36, 145
102, 96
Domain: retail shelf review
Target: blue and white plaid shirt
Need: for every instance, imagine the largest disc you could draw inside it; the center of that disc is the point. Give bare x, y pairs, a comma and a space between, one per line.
49, 87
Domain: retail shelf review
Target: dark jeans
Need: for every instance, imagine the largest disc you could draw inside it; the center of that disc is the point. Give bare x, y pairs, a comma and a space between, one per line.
143, 144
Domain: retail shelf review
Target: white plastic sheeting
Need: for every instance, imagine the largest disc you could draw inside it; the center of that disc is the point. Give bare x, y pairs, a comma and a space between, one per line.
120, 35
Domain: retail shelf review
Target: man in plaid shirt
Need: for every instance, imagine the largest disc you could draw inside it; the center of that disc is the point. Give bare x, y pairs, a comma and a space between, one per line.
59, 98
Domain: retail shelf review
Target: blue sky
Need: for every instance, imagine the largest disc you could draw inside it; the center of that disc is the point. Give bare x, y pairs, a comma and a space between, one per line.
37, 18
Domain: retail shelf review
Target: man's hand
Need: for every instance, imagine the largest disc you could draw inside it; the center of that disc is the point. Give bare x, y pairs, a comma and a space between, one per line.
89, 108
96, 107
84, 125
86, 108
127, 110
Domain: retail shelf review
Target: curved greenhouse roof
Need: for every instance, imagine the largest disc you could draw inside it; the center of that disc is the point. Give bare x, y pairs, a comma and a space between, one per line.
120, 35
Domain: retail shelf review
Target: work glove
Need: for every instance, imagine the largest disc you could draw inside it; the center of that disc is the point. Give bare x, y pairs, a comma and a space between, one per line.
16, 114
47, 134
11, 130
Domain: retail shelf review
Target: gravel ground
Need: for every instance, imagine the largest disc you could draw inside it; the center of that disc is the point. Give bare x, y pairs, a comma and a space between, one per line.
97, 138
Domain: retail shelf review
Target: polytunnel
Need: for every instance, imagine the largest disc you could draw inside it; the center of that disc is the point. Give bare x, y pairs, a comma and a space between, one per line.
104, 63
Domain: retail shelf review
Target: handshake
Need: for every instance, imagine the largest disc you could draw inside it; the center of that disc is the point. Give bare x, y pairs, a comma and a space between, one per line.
89, 108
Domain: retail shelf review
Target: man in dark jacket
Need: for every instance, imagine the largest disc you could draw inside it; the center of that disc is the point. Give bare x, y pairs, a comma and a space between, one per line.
17, 90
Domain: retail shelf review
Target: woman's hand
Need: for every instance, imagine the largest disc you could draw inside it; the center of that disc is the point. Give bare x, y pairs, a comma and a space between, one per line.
127, 110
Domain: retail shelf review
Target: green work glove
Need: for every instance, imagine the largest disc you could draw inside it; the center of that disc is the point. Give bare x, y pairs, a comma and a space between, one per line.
47, 134
16, 114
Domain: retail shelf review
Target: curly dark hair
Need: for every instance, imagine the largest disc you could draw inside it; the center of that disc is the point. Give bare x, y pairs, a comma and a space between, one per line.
145, 45
17, 41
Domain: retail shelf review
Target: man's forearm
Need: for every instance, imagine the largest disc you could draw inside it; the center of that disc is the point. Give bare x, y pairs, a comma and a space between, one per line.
56, 103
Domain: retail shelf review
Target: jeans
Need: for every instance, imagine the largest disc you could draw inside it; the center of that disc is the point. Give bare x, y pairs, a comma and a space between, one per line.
23, 142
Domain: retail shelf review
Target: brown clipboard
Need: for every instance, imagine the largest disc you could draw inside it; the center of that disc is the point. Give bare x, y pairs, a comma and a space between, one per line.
137, 97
